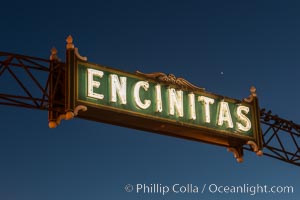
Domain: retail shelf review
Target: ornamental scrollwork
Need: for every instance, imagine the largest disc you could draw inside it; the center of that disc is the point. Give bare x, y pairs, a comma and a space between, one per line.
170, 79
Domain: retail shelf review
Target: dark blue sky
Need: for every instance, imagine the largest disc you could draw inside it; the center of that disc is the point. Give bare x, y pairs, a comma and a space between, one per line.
250, 42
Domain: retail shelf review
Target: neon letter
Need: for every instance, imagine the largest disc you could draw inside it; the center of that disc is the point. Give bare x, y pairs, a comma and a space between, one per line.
175, 102
136, 94
246, 126
206, 101
158, 98
117, 87
224, 115
192, 108
92, 83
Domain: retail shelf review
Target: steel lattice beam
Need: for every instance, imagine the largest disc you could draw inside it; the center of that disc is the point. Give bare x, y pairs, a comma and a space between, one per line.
26, 80
280, 138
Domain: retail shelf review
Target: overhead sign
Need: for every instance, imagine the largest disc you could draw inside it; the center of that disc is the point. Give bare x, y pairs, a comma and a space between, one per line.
106, 88
160, 103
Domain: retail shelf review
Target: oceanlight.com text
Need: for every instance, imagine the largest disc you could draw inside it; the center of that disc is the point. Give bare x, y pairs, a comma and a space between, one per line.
247, 189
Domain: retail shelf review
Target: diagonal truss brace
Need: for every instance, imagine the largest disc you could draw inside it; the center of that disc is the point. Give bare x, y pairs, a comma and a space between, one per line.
280, 138
32, 77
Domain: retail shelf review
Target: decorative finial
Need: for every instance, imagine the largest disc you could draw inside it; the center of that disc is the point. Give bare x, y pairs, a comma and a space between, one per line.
254, 147
253, 91
252, 95
237, 153
53, 55
69, 41
67, 116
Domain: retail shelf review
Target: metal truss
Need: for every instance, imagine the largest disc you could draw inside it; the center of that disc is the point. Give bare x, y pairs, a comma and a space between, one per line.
37, 83
26, 81
280, 138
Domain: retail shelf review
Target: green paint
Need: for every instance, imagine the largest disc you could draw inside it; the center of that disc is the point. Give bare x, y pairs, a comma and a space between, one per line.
132, 108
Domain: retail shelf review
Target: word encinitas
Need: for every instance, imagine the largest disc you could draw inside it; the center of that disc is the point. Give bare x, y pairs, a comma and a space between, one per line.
164, 189
167, 102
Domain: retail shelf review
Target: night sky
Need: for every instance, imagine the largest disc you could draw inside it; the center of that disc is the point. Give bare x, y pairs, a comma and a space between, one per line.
223, 46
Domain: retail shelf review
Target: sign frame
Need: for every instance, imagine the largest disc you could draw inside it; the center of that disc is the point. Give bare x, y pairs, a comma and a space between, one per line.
75, 106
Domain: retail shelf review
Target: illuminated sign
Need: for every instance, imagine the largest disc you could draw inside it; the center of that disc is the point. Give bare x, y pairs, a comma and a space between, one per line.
105, 88
160, 103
